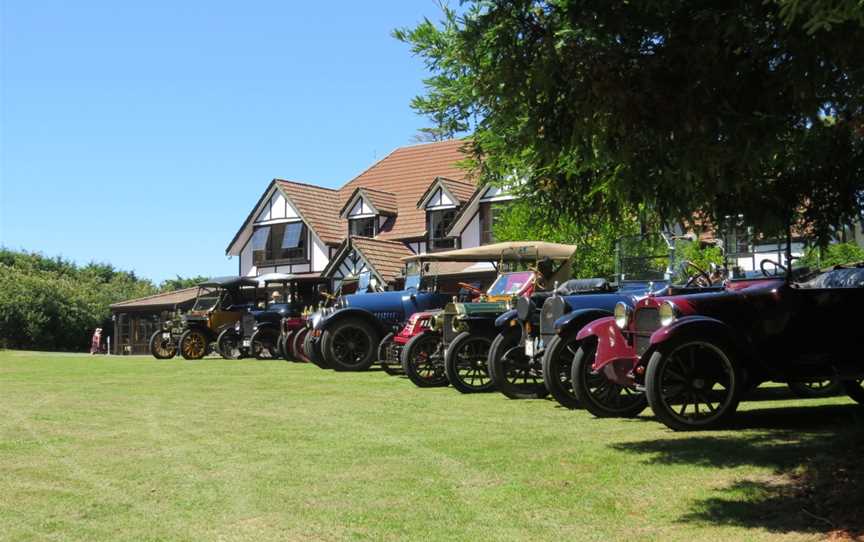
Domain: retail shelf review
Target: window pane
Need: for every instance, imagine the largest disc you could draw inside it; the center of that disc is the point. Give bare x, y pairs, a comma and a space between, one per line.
259, 244
362, 227
439, 225
291, 239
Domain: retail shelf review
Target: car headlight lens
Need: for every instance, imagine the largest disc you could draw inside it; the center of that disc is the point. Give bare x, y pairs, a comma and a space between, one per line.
237, 325
622, 315
668, 313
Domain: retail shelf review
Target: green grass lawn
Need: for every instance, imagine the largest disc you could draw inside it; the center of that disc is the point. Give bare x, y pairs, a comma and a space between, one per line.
96, 448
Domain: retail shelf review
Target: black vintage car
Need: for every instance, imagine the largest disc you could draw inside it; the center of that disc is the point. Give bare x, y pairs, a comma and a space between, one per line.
220, 303
257, 332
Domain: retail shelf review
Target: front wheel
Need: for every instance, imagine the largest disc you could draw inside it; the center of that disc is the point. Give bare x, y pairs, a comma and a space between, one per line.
465, 363
816, 388
693, 385
557, 369
855, 389
312, 350
193, 344
599, 395
228, 344
350, 345
263, 343
515, 375
421, 361
162, 348
298, 341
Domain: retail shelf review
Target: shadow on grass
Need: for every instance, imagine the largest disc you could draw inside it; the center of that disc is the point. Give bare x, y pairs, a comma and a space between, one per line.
814, 453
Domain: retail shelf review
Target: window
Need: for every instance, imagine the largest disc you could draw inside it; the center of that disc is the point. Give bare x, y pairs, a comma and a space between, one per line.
438, 223
362, 227
279, 243
490, 212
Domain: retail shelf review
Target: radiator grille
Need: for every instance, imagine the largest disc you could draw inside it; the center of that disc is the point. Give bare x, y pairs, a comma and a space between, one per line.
646, 322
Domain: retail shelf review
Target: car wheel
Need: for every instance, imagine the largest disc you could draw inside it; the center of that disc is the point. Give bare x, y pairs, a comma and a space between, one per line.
312, 350
298, 345
557, 369
263, 343
466, 365
350, 345
514, 374
384, 357
855, 389
162, 348
599, 395
693, 385
816, 388
419, 361
193, 344
228, 344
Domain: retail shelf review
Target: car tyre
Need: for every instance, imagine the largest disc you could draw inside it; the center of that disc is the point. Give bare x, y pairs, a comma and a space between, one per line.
512, 371
418, 361
466, 363
674, 378
193, 344
816, 388
312, 350
558, 368
599, 395
228, 344
161, 348
263, 343
298, 345
350, 345
855, 390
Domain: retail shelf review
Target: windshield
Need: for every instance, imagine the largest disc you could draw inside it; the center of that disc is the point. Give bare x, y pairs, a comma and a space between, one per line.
412, 282
510, 283
644, 258
207, 299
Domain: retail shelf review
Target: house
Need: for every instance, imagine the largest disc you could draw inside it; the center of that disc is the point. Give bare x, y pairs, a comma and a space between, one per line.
135, 320
415, 199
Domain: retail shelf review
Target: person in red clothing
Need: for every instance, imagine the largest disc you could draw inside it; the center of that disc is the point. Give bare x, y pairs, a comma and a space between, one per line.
96, 341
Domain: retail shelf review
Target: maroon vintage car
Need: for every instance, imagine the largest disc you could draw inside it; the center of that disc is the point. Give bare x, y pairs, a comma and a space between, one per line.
695, 355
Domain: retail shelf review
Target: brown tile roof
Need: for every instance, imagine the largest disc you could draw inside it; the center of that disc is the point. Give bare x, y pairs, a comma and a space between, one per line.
384, 256
462, 190
318, 208
384, 202
407, 172
166, 299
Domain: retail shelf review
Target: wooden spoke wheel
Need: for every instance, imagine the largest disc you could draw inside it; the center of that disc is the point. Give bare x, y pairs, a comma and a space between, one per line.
162, 348
599, 395
557, 369
515, 375
193, 344
421, 361
466, 364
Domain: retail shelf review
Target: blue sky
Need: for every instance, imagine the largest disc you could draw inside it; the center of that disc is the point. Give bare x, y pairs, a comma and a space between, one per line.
141, 133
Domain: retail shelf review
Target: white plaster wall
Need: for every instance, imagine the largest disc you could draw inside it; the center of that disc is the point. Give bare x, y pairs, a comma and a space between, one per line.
319, 254
277, 205
246, 267
470, 236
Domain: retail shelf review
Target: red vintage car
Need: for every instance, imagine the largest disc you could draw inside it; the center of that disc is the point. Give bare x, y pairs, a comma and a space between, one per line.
695, 355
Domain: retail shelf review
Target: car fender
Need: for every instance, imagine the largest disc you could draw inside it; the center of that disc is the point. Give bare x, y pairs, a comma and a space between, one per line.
572, 322
503, 320
690, 328
348, 312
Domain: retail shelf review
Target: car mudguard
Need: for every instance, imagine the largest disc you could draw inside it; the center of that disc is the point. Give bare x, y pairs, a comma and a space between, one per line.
348, 312
572, 322
503, 320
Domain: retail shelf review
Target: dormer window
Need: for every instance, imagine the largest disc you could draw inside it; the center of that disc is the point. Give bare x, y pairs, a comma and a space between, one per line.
441, 206
362, 227
439, 222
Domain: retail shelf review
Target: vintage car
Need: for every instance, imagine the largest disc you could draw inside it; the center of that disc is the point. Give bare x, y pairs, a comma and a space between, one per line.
295, 329
257, 332
453, 344
163, 341
538, 356
346, 336
219, 304
695, 355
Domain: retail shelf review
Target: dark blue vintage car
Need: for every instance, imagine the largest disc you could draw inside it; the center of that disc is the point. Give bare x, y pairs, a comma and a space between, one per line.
345, 336
537, 339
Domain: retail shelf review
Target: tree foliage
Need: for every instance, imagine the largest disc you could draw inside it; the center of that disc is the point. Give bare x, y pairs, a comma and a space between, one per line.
680, 107
837, 254
52, 303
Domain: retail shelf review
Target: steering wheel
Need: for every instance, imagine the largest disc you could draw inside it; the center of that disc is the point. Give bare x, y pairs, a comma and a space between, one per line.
776, 265
470, 287
700, 275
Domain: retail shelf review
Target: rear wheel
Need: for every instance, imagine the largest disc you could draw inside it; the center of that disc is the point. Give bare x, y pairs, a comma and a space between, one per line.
263, 343
599, 395
466, 365
816, 388
228, 344
350, 345
162, 348
693, 385
557, 369
515, 375
855, 389
419, 363
193, 344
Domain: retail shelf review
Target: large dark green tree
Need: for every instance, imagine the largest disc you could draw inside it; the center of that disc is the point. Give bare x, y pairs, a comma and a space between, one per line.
681, 107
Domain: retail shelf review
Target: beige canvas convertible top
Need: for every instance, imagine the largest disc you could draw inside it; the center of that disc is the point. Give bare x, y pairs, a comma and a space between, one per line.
509, 251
